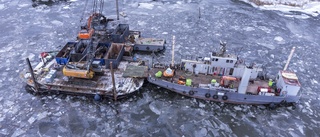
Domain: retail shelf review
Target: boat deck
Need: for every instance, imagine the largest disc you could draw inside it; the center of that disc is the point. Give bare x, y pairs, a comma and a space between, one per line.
202, 80
101, 83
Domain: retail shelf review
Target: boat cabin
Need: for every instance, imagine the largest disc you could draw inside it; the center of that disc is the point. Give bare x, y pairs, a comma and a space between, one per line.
226, 65
288, 83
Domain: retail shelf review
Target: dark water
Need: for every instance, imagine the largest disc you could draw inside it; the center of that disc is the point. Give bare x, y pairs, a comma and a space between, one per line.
30, 27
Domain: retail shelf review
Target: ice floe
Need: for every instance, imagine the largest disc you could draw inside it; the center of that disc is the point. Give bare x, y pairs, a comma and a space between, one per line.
304, 6
146, 5
2, 6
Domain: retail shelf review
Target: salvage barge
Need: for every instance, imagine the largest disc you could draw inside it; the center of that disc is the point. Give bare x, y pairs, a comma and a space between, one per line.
100, 62
223, 77
49, 77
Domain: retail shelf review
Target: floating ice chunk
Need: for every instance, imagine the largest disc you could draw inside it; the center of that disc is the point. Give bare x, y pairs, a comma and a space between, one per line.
56, 22
141, 23
154, 109
2, 6
311, 8
2, 118
135, 4
146, 5
75, 104
270, 46
23, 5
31, 120
31, 56
201, 105
42, 115
58, 114
278, 38
179, 2
202, 133
265, 29
4, 131
225, 127
66, 7
302, 16
313, 81
237, 108
272, 56
18, 132
248, 28
9, 103
165, 33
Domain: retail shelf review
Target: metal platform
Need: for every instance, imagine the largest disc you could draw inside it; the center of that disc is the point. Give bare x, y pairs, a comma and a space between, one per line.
149, 44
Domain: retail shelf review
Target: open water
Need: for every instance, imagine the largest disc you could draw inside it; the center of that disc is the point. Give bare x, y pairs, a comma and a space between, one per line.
262, 36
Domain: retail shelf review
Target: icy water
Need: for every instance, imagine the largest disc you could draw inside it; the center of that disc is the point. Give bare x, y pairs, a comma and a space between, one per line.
28, 28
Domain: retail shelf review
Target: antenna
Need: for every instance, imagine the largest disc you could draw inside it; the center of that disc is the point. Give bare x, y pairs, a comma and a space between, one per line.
289, 58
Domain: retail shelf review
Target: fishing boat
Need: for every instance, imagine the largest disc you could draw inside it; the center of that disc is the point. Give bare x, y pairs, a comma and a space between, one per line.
224, 77
99, 63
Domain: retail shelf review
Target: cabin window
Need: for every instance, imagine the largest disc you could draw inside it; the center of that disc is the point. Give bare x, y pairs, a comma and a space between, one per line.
227, 61
231, 71
277, 77
231, 61
213, 59
216, 59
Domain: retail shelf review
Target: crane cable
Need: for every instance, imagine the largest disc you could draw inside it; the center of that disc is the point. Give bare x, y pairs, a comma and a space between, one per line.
101, 6
94, 6
84, 10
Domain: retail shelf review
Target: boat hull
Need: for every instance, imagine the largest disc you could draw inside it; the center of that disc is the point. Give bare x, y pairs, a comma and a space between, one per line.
101, 84
222, 95
82, 91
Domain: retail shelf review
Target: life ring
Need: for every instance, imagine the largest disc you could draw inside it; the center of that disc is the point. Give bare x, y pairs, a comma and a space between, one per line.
215, 96
208, 95
191, 92
224, 97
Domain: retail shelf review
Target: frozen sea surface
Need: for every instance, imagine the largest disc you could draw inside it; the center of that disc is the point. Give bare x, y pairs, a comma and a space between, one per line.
262, 36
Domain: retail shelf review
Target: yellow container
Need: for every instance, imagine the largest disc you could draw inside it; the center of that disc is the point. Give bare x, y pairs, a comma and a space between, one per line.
78, 73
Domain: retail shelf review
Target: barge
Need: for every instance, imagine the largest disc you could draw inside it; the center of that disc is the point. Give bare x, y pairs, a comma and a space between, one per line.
99, 63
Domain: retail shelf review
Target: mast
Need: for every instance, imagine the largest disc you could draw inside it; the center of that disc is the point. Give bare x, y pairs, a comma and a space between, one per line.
117, 6
32, 75
113, 82
173, 42
289, 58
